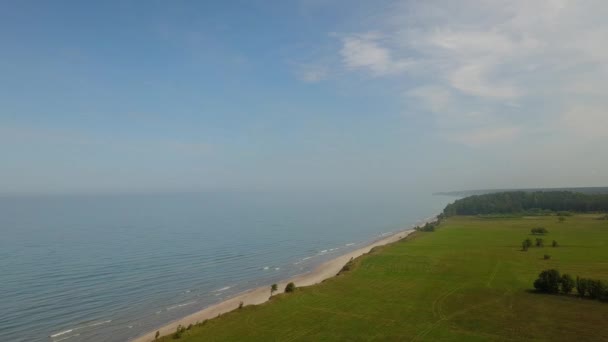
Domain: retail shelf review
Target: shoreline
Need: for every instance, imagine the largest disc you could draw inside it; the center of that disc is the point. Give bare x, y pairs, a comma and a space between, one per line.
260, 295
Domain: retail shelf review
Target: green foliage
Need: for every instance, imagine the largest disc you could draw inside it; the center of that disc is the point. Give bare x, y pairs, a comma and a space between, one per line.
554, 244
540, 242
582, 286
157, 335
561, 219
597, 289
525, 245
567, 284
428, 227
179, 331
548, 281
539, 231
273, 288
527, 202
546, 257
290, 287
241, 305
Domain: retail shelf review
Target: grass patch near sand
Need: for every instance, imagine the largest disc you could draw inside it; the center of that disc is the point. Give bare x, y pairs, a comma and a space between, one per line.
467, 281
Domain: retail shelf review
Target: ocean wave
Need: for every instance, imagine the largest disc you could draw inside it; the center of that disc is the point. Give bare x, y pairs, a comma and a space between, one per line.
53, 336
65, 338
180, 305
223, 289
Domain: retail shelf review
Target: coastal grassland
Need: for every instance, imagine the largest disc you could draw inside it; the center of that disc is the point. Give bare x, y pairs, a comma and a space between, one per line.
468, 281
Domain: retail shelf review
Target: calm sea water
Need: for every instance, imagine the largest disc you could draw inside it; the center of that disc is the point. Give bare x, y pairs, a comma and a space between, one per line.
111, 267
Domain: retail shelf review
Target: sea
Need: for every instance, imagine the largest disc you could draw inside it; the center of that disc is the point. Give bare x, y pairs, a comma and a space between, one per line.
110, 267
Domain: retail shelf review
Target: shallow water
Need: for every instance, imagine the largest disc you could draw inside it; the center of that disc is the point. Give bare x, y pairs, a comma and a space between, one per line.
111, 267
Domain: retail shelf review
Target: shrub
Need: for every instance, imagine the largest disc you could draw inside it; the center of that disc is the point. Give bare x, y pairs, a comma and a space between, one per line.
273, 288
240, 305
189, 327
428, 227
548, 281
567, 284
157, 335
290, 287
597, 289
179, 332
582, 286
554, 243
539, 230
524, 245
561, 219
546, 257
539, 242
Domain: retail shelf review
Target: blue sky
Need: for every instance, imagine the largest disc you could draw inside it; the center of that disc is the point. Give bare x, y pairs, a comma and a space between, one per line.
292, 95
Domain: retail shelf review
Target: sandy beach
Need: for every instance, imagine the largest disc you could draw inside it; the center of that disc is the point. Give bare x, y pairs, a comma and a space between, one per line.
260, 295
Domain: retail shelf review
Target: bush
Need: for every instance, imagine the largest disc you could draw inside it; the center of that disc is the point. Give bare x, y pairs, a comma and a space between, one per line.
539, 242
567, 284
428, 227
539, 231
273, 288
240, 305
178, 332
157, 335
561, 219
548, 281
597, 289
290, 287
554, 243
582, 286
546, 257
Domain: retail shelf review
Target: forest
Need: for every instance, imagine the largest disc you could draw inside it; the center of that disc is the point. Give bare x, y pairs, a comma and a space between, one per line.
528, 202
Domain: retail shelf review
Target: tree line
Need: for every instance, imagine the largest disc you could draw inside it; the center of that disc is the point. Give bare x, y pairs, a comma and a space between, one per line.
521, 202
550, 281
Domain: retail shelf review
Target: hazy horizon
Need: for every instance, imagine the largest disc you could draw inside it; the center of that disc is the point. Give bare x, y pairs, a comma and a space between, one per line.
308, 95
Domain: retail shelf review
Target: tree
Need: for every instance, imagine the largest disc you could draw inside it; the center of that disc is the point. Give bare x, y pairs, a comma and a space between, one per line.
290, 287
524, 245
539, 230
582, 286
539, 242
597, 289
273, 289
554, 244
567, 283
157, 335
548, 281
546, 257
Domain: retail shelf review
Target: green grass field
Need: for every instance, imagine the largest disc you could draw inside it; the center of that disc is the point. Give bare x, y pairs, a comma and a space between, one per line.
467, 281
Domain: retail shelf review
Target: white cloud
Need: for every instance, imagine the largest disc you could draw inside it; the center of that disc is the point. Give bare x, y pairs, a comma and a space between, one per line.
472, 79
365, 52
517, 63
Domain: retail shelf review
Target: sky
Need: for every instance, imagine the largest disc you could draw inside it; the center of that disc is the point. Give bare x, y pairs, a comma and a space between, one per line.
323, 95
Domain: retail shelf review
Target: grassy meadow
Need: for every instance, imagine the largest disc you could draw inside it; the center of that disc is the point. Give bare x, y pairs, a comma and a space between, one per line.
467, 281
